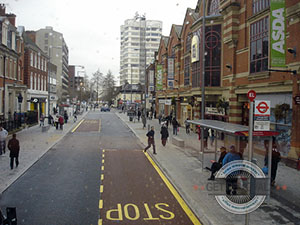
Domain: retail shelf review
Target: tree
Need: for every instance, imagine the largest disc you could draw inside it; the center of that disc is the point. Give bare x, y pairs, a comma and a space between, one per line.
108, 87
97, 79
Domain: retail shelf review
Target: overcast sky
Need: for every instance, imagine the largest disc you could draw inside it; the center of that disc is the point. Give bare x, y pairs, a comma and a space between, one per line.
91, 28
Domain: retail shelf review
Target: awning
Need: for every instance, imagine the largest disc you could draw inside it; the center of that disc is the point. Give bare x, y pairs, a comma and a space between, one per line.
231, 128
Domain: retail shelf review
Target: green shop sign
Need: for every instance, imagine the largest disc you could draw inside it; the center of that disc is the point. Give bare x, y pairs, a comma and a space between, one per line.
278, 29
159, 83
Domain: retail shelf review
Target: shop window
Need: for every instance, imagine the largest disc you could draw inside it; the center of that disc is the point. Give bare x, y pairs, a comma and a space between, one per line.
259, 5
213, 56
259, 42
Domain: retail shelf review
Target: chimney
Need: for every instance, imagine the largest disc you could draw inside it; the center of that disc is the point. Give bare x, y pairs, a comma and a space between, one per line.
31, 35
12, 19
2, 9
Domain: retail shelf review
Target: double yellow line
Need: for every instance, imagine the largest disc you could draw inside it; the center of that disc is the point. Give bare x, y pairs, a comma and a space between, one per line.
77, 125
101, 186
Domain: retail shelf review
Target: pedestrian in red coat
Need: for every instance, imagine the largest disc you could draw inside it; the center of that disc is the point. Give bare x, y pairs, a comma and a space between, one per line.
61, 122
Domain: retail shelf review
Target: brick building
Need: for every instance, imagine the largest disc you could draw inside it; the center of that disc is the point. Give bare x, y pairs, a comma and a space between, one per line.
238, 41
11, 65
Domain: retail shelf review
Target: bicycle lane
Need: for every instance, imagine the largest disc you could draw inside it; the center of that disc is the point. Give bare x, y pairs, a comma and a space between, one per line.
134, 191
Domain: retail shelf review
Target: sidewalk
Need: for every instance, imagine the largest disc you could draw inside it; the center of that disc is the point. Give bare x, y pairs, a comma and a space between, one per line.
34, 144
183, 167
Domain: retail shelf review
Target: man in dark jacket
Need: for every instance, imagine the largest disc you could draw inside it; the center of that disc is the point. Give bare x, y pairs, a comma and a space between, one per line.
14, 148
150, 136
217, 165
164, 134
175, 126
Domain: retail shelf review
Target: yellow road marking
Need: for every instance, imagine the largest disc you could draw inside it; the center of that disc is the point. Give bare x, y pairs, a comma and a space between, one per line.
99, 125
100, 204
102, 160
103, 150
77, 125
100, 222
102, 176
179, 199
102, 168
101, 188
103, 156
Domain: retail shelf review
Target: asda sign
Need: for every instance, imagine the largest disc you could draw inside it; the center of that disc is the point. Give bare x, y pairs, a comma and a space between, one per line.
278, 30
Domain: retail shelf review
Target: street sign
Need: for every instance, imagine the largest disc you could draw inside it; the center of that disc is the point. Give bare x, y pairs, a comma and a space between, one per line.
262, 115
262, 108
297, 99
251, 95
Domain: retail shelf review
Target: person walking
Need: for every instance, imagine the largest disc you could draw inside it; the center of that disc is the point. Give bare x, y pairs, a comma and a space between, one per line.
75, 116
159, 118
217, 165
187, 126
3, 136
231, 181
276, 157
56, 121
175, 126
61, 122
42, 119
211, 136
150, 136
144, 121
66, 117
139, 115
14, 148
164, 134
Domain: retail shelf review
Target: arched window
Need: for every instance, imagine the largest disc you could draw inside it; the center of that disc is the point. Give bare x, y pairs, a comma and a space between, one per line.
213, 56
213, 8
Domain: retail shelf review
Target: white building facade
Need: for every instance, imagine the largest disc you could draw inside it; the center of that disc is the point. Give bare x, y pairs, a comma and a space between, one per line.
139, 40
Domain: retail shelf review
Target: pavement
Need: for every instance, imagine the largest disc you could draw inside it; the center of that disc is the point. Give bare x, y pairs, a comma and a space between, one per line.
33, 145
183, 166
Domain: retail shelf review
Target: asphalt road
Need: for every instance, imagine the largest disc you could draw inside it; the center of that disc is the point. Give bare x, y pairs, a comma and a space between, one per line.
97, 174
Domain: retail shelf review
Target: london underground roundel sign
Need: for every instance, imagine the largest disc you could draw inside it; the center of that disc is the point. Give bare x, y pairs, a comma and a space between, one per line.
251, 95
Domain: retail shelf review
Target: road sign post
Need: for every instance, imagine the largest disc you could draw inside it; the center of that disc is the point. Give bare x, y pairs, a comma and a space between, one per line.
251, 96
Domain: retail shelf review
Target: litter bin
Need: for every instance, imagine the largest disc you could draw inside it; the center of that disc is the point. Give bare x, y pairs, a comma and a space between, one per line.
130, 114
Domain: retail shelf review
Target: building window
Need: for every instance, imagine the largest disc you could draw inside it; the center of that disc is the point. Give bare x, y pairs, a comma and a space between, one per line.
213, 56
19, 72
187, 62
31, 81
34, 84
259, 42
196, 74
38, 84
188, 42
45, 84
31, 59
213, 8
35, 60
260, 5
42, 84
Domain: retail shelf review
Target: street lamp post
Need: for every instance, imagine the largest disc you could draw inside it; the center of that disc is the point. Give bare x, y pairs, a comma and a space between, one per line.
4, 78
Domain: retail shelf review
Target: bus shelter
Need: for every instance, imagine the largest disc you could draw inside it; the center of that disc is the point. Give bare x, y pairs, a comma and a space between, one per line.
240, 134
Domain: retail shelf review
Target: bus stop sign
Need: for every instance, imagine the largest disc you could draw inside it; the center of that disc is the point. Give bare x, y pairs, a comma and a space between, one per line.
251, 95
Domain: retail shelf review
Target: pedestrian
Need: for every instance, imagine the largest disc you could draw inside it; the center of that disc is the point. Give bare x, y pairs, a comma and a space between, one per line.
150, 136
144, 121
56, 121
139, 114
159, 118
75, 116
50, 120
61, 122
187, 126
231, 181
198, 131
211, 136
150, 115
175, 126
14, 148
217, 165
164, 134
42, 119
147, 114
66, 117
205, 137
275, 160
3, 136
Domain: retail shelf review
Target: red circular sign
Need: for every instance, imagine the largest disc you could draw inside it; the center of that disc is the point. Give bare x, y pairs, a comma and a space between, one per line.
262, 107
251, 95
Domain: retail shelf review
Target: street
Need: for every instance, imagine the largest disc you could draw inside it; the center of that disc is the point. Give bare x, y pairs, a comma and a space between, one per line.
97, 174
